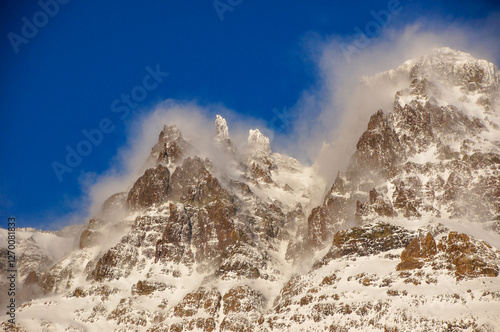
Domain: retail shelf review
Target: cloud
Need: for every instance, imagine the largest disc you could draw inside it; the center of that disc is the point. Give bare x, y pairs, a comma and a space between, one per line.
197, 126
332, 114
335, 112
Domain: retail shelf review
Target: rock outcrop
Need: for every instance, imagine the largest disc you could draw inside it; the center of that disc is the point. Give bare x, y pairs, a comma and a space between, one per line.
396, 244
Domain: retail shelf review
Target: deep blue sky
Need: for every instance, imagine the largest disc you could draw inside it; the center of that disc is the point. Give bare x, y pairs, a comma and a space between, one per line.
64, 79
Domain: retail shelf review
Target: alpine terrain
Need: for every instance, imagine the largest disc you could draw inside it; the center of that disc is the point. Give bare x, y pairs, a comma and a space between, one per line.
406, 238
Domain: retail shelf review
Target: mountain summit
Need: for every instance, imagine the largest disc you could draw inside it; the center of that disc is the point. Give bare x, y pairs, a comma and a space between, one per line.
406, 239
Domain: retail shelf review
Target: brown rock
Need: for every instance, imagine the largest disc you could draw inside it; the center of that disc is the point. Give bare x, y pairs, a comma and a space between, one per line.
467, 256
242, 299
171, 147
151, 188
416, 252
203, 300
192, 182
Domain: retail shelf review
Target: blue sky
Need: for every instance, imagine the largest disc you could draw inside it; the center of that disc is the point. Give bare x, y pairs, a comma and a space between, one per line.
64, 78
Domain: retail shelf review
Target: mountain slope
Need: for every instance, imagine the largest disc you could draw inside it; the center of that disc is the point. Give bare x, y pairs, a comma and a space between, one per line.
397, 244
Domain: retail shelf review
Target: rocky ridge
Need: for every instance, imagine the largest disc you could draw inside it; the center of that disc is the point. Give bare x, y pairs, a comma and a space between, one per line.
243, 249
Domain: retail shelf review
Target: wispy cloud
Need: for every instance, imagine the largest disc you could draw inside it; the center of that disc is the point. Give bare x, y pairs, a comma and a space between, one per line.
335, 111
197, 126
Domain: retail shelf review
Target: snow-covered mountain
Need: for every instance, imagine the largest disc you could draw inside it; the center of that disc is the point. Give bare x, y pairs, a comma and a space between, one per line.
406, 239
35, 251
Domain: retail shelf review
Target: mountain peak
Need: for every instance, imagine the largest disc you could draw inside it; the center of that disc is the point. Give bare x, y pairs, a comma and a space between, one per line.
455, 68
245, 247
256, 140
451, 53
221, 129
445, 66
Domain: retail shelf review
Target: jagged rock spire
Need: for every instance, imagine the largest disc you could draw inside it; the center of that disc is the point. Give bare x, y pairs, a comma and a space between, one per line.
221, 129
222, 134
257, 141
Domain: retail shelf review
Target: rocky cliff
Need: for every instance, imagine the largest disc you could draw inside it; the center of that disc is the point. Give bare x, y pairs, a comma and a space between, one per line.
407, 237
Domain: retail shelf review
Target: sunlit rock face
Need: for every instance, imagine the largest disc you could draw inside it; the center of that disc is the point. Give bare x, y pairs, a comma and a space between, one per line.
405, 239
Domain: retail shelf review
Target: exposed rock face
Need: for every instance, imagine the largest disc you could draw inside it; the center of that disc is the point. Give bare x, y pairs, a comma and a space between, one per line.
378, 149
177, 235
196, 235
113, 203
419, 250
90, 236
199, 310
428, 156
145, 287
381, 206
112, 209
261, 173
171, 147
349, 286
322, 222
192, 246
115, 263
149, 189
368, 240
35, 253
192, 182
457, 252
469, 258
222, 135
242, 308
